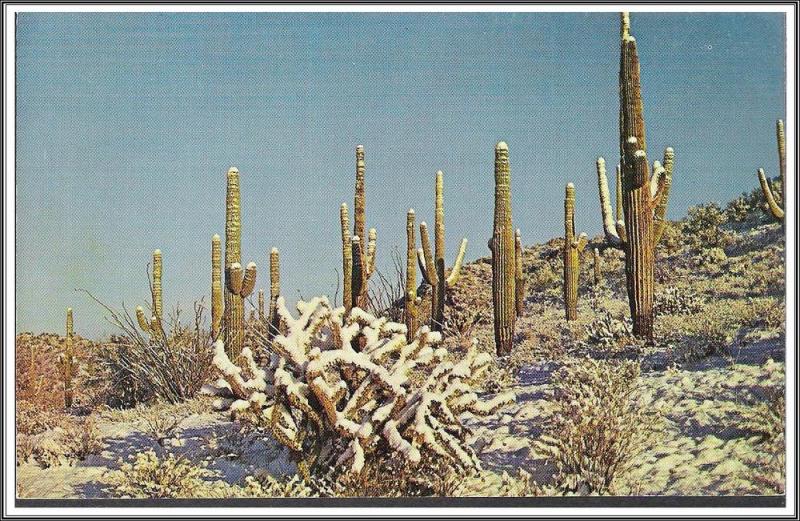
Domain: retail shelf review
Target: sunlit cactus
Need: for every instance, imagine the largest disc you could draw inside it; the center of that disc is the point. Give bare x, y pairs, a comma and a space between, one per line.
153, 324
503, 261
519, 276
644, 197
770, 193
238, 283
573, 247
356, 282
410, 316
432, 263
217, 303
261, 310
274, 292
68, 367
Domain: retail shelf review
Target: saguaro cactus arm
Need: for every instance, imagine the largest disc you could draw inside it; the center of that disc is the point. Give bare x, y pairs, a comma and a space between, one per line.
769, 194
455, 272
426, 261
519, 275
611, 227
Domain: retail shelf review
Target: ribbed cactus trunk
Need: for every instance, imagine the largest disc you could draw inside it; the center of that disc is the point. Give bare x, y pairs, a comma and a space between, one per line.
637, 198
570, 256
274, 292
347, 259
519, 276
262, 317
360, 294
67, 366
502, 247
217, 303
410, 312
238, 284
157, 294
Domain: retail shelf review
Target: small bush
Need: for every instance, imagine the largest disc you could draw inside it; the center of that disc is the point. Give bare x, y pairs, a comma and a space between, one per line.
81, 439
161, 421
702, 227
597, 425
609, 333
677, 301
150, 477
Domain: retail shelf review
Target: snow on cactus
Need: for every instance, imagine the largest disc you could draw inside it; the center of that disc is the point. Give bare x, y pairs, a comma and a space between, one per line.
338, 389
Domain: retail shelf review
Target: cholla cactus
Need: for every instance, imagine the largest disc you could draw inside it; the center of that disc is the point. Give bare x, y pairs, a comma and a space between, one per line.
410, 312
770, 192
356, 281
573, 247
432, 263
238, 283
519, 276
644, 197
154, 325
502, 246
67, 359
334, 403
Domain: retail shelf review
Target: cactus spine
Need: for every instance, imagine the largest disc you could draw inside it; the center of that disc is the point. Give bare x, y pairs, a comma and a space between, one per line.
598, 268
154, 325
355, 281
644, 197
274, 292
519, 276
410, 313
502, 247
770, 193
238, 283
572, 249
68, 361
432, 265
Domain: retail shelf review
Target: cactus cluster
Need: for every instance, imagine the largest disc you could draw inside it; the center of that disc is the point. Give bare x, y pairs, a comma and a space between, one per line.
228, 313
573, 247
769, 191
358, 262
644, 196
154, 325
431, 263
502, 246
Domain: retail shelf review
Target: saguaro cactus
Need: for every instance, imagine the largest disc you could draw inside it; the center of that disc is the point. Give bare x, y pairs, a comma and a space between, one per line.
238, 283
598, 268
410, 315
770, 193
274, 293
644, 197
356, 292
68, 367
432, 264
261, 312
573, 247
502, 246
217, 304
154, 325
519, 276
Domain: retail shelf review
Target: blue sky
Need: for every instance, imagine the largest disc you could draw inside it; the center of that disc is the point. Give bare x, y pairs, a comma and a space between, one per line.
127, 123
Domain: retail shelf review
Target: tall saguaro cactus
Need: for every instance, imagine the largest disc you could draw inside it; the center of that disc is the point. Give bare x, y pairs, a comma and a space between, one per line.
644, 197
432, 265
503, 262
410, 316
769, 193
238, 283
68, 367
274, 292
154, 325
217, 303
355, 282
573, 247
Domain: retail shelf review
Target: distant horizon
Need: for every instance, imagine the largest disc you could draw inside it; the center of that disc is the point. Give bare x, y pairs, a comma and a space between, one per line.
127, 124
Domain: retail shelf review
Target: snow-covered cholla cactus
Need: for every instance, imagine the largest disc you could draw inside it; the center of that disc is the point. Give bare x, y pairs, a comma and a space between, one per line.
431, 263
239, 283
336, 404
153, 326
770, 193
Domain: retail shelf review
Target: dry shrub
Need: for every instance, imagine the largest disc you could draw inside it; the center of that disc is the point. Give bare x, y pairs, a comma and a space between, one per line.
150, 477
597, 425
161, 421
81, 439
67, 440
675, 300
702, 228
765, 312
169, 367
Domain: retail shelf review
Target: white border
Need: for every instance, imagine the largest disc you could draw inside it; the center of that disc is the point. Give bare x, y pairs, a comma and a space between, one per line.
10, 12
